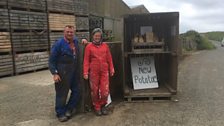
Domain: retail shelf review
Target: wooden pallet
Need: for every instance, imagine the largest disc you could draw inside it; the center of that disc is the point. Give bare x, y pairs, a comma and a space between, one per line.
147, 99
3, 2
146, 46
4, 20
146, 95
28, 20
29, 41
82, 23
59, 21
26, 62
54, 36
6, 65
5, 43
81, 8
81, 1
61, 6
28, 4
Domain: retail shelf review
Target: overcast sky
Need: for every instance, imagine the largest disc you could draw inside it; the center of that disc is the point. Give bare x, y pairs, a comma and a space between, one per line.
200, 15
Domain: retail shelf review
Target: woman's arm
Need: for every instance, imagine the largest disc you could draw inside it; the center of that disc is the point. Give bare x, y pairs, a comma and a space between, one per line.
86, 62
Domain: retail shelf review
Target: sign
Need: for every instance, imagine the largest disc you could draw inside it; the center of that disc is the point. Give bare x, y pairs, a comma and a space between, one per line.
143, 72
108, 100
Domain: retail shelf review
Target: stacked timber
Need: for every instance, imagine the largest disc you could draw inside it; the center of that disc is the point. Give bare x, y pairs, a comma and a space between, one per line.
65, 6
81, 7
21, 19
54, 36
6, 64
29, 34
3, 2
34, 40
5, 43
28, 4
6, 59
4, 20
32, 61
58, 21
82, 23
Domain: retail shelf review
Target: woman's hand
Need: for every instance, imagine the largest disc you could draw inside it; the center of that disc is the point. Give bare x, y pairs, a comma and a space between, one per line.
86, 77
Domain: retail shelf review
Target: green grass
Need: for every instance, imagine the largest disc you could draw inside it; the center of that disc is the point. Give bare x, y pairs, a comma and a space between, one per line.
217, 36
201, 42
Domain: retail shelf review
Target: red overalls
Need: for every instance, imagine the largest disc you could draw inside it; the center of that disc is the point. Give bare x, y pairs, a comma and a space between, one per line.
97, 64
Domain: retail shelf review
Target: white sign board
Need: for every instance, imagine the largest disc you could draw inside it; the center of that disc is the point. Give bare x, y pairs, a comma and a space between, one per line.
144, 72
108, 100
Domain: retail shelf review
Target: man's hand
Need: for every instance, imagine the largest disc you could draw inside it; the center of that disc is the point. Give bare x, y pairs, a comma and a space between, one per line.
84, 41
56, 78
86, 77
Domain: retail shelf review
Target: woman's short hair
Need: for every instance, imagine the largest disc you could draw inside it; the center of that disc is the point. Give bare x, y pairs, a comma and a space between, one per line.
97, 30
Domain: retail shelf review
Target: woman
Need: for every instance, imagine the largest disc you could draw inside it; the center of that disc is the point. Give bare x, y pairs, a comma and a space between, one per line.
97, 66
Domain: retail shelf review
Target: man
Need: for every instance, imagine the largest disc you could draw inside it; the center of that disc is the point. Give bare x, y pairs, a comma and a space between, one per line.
63, 66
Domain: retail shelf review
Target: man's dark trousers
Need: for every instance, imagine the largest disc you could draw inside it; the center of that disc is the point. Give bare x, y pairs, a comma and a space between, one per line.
69, 81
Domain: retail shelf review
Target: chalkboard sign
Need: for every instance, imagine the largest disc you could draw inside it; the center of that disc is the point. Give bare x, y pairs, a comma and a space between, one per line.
143, 72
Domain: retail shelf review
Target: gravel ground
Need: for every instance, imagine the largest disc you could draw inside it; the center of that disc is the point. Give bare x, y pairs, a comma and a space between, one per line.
28, 100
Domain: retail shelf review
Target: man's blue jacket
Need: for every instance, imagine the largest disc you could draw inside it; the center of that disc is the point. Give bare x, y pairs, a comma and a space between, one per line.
61, 54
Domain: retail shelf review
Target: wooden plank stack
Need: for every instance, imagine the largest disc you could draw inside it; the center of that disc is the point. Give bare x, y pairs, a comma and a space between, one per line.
81, 7
54, 36
30, 27
5, 43
81, 10
68, 12
25, 62
65, 6
6, 65
58, 21
29, 36
72, 7
6, 58
25, 41
4, 20
82, 23
28, 20
3, 2
28, 4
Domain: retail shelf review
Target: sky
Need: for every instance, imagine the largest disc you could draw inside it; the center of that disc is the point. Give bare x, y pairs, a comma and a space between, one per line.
199, 15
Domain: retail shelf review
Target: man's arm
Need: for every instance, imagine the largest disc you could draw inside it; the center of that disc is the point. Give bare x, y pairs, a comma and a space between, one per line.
85, 41
53, 61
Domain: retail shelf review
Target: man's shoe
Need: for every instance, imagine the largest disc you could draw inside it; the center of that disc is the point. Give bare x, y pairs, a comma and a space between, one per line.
98, 112
63, 118
104, 111
69, 113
